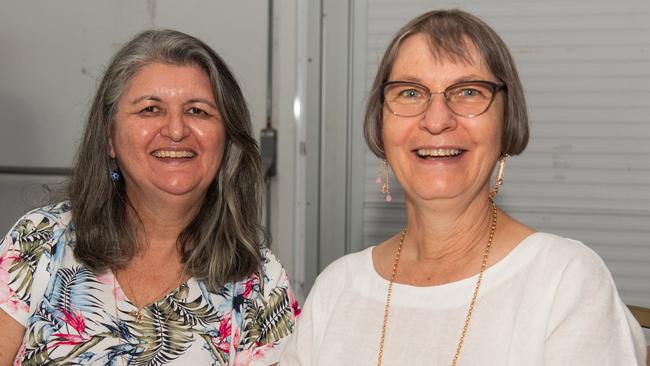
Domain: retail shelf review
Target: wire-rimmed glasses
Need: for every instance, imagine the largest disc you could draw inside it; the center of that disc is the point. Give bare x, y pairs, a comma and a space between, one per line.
466, 98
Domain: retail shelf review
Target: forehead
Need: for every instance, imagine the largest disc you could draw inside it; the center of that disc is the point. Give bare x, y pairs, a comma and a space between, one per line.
164, 75
419, 57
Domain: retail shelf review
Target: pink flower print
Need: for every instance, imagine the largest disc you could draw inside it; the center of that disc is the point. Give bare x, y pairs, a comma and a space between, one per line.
295, 306
106, 278
78, 323
248, 356
244, 358
15, 306
6, 292
235, 338
68, 339
75, 320
225, 329
249, 286
5, 265
20, 355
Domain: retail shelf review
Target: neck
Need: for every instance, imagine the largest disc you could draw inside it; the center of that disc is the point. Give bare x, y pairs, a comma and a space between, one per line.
160, 221
446, 243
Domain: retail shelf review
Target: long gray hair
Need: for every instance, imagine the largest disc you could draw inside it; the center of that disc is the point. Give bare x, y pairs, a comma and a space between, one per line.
222, 243
447, 31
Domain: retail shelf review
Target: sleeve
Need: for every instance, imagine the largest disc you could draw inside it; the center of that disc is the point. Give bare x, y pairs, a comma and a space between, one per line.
303, 347
270, 317
589, 324
21, 252
300, 348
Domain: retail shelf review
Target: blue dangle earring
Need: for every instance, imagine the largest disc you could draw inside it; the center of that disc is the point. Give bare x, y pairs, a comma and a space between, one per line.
115, 172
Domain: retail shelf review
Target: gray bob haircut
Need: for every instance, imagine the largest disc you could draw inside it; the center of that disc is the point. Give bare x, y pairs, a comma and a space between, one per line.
448, 32
222, 243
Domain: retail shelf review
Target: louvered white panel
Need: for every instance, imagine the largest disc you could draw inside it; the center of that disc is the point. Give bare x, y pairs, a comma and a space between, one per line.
586, 173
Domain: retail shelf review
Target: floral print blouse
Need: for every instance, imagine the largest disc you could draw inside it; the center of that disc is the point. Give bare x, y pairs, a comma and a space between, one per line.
75, 317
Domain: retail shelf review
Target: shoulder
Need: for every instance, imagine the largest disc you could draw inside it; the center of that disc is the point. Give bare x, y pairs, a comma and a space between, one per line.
347, 264
57, 215
341, 272
565, 254
40, 226
274, 282
26, 256
580, 291
567, 269
273, 271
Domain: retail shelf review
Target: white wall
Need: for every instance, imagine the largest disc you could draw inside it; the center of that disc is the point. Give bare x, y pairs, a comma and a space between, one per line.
52, 54
54, 51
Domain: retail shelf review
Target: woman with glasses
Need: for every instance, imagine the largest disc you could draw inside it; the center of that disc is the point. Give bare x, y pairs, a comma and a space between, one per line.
463, 283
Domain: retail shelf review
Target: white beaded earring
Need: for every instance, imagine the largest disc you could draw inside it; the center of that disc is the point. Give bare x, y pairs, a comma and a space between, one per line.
499, 180
383, 180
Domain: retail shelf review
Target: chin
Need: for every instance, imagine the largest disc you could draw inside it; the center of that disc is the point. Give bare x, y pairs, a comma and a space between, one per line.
433, 193
182, 188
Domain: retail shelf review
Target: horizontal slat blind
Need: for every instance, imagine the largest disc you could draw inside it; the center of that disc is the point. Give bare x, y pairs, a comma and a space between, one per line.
585, 66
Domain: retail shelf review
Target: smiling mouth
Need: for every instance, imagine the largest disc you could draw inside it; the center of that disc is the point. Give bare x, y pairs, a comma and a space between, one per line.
174, 154
438, 153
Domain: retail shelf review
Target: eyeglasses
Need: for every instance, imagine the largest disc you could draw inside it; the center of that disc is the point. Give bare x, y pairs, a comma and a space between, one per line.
467, 98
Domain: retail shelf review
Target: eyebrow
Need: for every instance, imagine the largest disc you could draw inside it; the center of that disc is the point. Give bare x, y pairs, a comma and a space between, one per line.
146, 97
461, 79
157, 99
204, 101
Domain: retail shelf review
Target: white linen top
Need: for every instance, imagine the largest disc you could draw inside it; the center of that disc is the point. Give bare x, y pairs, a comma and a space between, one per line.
550, 301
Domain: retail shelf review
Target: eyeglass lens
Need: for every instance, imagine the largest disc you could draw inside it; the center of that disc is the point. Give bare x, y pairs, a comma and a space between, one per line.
466, 99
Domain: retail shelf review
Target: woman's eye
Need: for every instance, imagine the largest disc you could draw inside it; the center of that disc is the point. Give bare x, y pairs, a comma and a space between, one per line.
469, 92
197, 111
409, 93
150, 109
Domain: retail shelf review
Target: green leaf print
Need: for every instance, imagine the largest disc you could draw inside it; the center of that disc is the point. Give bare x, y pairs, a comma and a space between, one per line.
269, 320
190, 313
36, 350
159, 337
32, 242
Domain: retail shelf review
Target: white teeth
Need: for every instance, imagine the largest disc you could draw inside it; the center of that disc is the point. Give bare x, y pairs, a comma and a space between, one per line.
173, 154
438, 152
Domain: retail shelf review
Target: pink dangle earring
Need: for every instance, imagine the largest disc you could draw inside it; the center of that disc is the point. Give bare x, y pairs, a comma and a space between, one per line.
384, 183
499, 180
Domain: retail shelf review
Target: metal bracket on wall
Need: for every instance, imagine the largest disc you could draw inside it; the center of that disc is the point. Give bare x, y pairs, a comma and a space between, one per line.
25, 170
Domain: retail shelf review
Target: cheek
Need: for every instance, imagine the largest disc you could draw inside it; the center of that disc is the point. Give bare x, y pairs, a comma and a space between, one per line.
487, 129
393, 132
128, 129
215, 142
119, 139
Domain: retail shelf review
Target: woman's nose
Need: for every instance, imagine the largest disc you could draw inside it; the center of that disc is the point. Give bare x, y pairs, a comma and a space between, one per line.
176, 127
438, 117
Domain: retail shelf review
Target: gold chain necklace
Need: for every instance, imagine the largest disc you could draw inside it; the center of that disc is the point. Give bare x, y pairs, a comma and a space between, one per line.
470, 310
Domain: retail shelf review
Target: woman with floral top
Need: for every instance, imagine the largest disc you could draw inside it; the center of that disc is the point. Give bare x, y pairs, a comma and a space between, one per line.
157, 257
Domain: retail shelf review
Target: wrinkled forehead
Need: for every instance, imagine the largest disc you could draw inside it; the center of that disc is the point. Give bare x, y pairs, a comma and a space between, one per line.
454, 48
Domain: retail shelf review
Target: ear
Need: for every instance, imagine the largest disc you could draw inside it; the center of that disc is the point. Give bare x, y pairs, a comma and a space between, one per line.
111, 150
